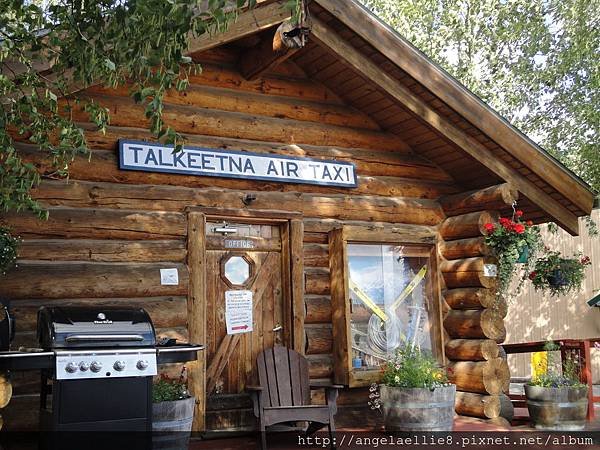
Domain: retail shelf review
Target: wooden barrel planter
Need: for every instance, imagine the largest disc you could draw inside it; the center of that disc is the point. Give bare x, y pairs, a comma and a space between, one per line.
560, 408
172, 424
418, 409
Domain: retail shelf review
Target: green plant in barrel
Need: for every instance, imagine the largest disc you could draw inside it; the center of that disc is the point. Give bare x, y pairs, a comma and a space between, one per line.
415, 393
511, 240
166, 389
559, 275
172, 411
412, 367
8, 250
557, 399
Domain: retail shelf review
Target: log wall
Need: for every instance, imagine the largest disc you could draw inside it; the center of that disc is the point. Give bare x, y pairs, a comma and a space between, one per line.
110, 231
474, 314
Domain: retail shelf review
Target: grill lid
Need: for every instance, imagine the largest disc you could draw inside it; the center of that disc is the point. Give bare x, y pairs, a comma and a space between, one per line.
88, 327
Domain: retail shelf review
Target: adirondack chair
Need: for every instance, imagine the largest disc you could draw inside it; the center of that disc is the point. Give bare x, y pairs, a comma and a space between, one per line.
284, 393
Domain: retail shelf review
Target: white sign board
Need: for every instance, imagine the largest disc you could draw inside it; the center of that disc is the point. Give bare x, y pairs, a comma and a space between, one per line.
212, 162
238, 311
169, 277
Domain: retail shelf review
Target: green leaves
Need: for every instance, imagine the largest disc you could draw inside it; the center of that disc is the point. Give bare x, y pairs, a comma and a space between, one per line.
412, 367
110, 42
8, 250
535, 61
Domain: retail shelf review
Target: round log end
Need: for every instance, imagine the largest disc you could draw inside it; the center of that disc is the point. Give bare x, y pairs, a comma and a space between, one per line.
5, 390
496, 376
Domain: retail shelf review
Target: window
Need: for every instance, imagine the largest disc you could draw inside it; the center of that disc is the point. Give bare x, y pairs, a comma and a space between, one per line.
386, 296
237, 270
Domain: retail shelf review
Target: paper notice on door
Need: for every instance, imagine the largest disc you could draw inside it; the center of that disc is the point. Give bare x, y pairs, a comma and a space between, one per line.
238, 311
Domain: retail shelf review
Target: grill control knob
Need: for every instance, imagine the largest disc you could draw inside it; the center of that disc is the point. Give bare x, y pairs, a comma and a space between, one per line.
83, 366
95, 366
71, 367
119, 365
142, 365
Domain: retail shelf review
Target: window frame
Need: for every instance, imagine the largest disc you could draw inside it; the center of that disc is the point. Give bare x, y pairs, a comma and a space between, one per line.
406, 235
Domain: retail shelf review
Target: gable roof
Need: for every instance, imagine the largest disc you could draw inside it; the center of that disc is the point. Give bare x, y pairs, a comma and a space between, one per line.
469, 140
374, 69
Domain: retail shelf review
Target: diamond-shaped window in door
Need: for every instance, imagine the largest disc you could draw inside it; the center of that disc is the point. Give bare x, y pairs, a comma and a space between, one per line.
237, 270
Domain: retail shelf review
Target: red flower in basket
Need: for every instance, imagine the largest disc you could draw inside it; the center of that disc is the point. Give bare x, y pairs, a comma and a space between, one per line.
489, 227
519, 213
519, 228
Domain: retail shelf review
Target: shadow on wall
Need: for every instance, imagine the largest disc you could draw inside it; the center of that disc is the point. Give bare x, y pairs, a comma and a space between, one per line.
535, 316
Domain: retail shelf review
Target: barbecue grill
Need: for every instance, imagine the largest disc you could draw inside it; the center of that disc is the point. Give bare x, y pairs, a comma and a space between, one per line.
97, 366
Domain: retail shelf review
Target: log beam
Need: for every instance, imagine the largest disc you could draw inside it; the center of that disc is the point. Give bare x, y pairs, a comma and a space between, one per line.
484, 377
467, 225
196, 309
91, 223
464, 248
469, 279
319, 339
84, 280
249, 22
469, 298
472, 349
490, 198
103, 250
477, 405
467, 264
213, 122
475, 324
81, 194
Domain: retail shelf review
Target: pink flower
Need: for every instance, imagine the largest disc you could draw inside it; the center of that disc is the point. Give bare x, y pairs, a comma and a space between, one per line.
585, 260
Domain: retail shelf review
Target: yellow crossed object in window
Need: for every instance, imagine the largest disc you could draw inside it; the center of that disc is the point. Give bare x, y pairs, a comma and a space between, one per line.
364, 297
410, 287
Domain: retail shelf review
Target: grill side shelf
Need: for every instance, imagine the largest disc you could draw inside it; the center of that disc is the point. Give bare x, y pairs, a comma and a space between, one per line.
26, 360
177, 353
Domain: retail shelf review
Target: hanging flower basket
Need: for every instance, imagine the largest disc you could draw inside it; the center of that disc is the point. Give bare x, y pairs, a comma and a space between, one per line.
557, 279
513, 241
523, 255
559, 275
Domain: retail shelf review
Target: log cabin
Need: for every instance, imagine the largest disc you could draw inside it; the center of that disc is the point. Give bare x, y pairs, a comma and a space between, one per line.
336, 181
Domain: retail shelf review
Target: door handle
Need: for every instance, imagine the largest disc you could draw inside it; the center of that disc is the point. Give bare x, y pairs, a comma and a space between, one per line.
277, 328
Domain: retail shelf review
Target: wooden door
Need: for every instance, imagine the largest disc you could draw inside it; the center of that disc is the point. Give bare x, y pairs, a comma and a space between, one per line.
251, 258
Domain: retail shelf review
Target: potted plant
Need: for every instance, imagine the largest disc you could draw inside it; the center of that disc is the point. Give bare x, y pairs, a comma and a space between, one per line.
415, 394
556, 399
8, 250
557, 274
172, 412
512, 241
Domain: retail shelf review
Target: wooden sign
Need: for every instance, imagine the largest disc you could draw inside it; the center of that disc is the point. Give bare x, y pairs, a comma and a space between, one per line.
212, 162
